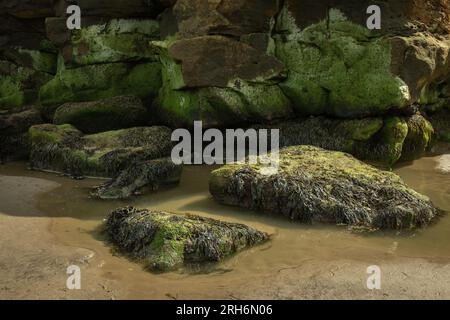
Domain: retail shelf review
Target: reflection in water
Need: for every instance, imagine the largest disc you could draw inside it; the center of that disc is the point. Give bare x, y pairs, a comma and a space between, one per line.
77, 221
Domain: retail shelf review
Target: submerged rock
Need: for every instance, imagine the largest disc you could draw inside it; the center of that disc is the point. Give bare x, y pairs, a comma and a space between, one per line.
140, 177
65, 149
315, 185
103, 115
165, 241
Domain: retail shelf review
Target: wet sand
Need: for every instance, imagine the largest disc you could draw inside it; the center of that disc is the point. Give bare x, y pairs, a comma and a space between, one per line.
48, 222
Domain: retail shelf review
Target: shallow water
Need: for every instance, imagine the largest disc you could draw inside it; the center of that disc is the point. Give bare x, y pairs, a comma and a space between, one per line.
76, 221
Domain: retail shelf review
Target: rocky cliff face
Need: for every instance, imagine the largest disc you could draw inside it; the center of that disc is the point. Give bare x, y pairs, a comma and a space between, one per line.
232, 63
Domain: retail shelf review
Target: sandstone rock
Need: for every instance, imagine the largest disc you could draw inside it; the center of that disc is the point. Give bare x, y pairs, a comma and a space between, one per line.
239, 101
227, 17
139, 178
315, 185
164, 241
103, 115
65, 149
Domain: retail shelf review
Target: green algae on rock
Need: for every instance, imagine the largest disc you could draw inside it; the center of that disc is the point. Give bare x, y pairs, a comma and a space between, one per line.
102, 81
65, 149
315, 185
140, 177
103, 115
164, 241
338, 68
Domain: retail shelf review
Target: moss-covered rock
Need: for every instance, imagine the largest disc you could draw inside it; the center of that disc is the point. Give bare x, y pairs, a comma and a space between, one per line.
116, 40
103, 115
140, 177
96, 82
240, 101
315, 185
337, 67
164, 241
65, 149
386, 146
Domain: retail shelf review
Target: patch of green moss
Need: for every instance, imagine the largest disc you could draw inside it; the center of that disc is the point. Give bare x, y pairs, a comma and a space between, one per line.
338, 68
96, 82
118, 40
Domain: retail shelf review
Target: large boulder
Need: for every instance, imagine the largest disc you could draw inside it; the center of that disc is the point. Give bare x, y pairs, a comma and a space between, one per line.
103, 115
164, 241
313, 185
65, 149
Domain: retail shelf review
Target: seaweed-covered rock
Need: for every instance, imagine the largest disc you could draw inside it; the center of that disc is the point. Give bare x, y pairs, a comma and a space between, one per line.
165, 241
140, 177
103, 115
65, 149
102, 81
315, 185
